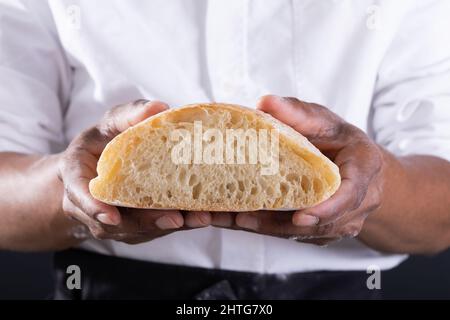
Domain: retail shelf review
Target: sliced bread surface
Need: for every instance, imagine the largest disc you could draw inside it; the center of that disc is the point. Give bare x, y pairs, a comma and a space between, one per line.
137, 168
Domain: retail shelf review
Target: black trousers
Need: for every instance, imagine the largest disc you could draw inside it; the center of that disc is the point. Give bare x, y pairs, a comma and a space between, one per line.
105, 277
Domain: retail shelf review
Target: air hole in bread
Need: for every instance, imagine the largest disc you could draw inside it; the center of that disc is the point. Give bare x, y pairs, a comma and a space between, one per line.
231, 187
306, 184
196, 191
317, 186
147, 200
284, 188
169, 194
241, 185
182, 175
144, 166
270, 191
254, 191
193, 179
293, 178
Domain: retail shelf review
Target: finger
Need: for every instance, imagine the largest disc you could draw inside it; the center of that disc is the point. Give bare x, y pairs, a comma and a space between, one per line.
344, 200
78, 192
267, 222
223, 219
127, 115
279, 224
144, 220
197, 219
115, 121
74, 213
142, 224
75, 175
92, 227
318, 124
273, 223
355, 181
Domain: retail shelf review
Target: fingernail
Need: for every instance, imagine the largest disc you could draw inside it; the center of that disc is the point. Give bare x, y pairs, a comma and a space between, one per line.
305, 220
106, 219
166, 223
247, 221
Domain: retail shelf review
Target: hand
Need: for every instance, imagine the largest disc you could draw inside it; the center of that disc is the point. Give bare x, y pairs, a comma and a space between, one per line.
360, 164
77, 167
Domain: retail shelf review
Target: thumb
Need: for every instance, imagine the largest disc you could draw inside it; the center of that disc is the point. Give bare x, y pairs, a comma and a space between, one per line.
311, 120
127, 115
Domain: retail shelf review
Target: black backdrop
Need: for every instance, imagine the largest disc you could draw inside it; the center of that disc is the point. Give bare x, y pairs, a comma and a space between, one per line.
28, 276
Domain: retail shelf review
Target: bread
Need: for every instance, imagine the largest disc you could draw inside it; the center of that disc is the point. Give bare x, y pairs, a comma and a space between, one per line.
137, 168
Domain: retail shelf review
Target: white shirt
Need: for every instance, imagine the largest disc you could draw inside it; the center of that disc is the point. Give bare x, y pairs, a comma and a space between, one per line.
384, 66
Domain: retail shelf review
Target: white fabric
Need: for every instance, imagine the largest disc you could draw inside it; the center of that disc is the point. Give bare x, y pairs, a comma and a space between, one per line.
382, 65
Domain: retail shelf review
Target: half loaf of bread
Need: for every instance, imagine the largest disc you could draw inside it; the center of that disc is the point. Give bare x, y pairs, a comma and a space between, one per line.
137, 168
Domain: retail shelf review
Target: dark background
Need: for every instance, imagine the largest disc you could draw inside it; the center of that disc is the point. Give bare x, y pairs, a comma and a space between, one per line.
28, 276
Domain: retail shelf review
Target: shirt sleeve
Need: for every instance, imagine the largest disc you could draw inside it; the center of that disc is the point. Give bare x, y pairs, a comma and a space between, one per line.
34, 78
411, 105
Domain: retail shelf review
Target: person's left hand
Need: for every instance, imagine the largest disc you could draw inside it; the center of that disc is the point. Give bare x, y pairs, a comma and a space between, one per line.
360, 163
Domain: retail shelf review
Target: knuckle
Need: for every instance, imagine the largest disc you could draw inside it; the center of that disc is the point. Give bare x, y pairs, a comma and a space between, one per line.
293, 100
70, 214
86, 138
327, 217
357, 196
71, 197
375, 202
329, 130
352, 230
106, 126
377, 158
324, 230
109, 114
99, 233
65, 163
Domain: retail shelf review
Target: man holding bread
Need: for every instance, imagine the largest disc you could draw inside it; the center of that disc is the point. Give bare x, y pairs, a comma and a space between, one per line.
347, 75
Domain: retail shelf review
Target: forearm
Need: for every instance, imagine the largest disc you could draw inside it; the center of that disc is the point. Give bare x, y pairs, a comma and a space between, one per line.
415, 212
30, 204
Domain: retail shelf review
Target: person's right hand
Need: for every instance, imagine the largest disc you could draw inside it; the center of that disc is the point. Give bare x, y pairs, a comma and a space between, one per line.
77, 167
